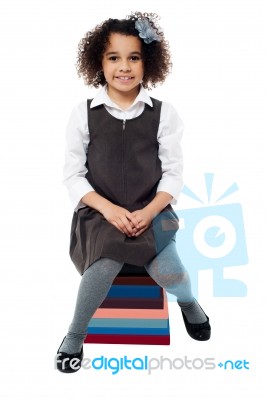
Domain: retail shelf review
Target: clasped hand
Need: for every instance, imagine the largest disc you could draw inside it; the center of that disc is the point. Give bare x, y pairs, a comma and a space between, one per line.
131, 224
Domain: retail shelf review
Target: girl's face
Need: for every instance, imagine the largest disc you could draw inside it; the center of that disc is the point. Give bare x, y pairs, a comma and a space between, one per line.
122, 64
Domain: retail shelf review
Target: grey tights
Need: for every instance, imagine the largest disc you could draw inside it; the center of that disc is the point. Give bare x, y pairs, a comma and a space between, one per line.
166, 270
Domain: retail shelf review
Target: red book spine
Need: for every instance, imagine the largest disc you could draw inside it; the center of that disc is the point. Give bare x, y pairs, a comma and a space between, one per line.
128, 339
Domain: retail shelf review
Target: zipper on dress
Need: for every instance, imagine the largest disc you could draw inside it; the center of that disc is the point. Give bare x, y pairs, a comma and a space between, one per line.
124, 160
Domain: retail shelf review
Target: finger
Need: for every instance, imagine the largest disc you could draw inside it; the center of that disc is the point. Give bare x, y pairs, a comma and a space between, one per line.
131, 224
133, 219
140, 231
128, 219
142, 224
117, 226
126, 226
134, 229
136, 221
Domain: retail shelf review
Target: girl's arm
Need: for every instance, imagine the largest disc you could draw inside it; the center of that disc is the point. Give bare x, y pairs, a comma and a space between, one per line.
145, 216
121, 218
76, 143
170, 152
160, 201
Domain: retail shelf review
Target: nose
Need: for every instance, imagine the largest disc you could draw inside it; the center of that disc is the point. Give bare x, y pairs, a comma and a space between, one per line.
124, 67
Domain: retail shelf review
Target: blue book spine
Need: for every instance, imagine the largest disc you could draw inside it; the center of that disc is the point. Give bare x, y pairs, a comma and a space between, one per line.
132, 291
129, 331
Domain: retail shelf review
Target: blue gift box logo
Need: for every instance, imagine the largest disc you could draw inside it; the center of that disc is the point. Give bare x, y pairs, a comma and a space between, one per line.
213, 237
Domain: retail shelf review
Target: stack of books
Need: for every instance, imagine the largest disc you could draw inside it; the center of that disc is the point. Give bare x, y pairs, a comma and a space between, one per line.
135, 311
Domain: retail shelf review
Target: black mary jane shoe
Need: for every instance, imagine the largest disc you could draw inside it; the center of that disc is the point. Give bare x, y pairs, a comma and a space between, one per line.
69, 363
198, 331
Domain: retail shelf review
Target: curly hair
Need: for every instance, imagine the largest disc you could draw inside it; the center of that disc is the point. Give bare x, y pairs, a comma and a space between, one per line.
156, 55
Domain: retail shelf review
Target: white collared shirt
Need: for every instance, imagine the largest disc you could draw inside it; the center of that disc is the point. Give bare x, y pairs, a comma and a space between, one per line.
77, 139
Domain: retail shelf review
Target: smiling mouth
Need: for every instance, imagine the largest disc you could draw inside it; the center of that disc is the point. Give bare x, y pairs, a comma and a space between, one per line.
124, 78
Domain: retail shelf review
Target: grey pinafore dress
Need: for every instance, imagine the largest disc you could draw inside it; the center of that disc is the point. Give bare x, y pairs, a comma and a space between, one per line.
124, 167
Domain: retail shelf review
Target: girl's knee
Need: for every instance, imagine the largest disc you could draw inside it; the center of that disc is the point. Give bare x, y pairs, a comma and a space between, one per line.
168, 279
105, 267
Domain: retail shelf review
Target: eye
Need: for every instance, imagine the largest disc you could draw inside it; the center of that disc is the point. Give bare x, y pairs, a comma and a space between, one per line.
113, 58
135, 58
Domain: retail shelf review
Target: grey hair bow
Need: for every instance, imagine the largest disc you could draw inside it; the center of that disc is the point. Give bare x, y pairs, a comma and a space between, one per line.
146, 32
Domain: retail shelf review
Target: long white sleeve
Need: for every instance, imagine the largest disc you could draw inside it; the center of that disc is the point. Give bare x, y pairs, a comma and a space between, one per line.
77, 139
170, 151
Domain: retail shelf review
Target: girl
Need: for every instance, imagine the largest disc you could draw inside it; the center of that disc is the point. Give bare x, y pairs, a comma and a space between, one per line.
123, 171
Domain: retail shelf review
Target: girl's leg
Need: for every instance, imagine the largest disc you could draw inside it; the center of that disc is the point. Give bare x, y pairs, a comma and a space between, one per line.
167, 270
94, 286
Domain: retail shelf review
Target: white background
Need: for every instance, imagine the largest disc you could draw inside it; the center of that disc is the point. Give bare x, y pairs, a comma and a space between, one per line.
218, 87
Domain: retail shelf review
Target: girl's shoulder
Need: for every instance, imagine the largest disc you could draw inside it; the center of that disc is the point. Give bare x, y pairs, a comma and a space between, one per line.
80, 108
78, 118
169, 111
167, 107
